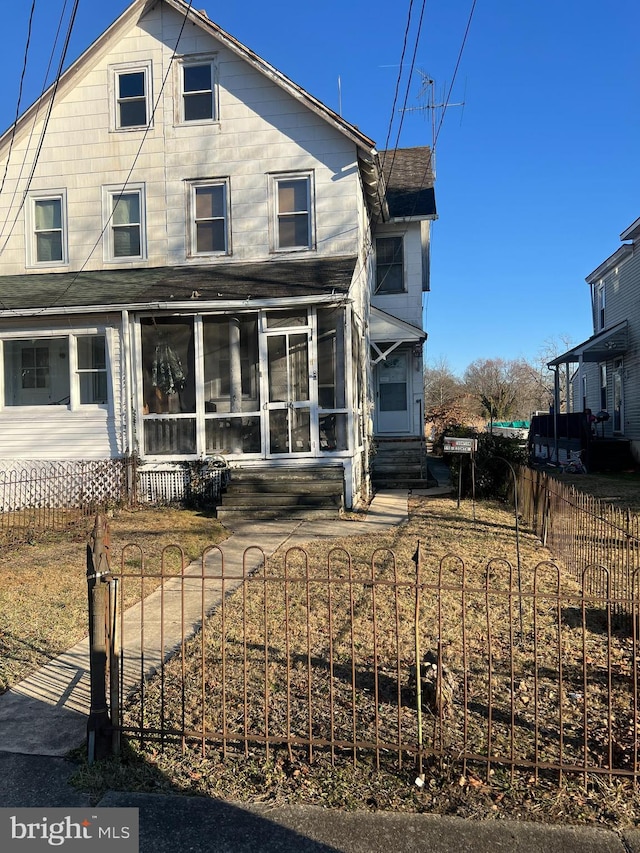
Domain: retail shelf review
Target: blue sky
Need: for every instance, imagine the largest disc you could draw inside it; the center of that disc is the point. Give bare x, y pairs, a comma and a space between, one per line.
537, 174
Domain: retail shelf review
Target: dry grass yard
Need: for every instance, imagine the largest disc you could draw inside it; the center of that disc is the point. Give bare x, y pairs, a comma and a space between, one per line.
43, 588
301, 665
518, 685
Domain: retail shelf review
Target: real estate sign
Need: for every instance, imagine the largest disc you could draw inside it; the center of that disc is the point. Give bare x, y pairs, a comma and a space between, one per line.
459, 445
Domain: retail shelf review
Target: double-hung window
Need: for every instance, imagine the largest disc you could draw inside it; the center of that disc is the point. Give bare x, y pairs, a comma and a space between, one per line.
91, 360
47, 229
389, 265
293, 211
124, 212
198, 92
64, 370
131, 96
209, 218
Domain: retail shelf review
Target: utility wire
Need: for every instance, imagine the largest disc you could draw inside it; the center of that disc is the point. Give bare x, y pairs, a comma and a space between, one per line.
133, 165
19, 101
46, 121
33, 125
397, 89
406, 94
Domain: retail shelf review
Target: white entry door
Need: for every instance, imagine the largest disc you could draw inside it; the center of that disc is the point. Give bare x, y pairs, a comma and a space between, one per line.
393, 394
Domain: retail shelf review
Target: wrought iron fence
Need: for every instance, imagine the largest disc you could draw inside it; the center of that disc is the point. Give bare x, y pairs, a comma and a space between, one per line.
398, 664
583, 531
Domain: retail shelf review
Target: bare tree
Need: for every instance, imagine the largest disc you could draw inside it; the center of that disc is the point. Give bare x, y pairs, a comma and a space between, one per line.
498, 387
445, 398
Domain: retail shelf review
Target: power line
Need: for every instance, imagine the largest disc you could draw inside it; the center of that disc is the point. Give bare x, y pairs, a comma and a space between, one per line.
406, 94
33, 126
399, 78
46, 121
19, 101
133, 165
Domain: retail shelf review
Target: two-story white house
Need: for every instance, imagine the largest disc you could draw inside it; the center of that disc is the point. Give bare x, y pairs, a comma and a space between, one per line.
198, 257
603, 372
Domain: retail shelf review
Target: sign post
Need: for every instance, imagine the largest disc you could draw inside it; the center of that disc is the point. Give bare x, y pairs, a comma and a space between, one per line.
464, 447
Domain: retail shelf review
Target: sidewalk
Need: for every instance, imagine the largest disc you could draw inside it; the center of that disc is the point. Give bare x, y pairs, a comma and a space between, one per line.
44, 717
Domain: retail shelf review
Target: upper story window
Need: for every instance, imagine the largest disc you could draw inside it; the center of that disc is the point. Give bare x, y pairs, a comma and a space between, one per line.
132, 96
47, 229
293, 212
69, 370
389, 265
600, 307
124, 212
198, 94
209, 218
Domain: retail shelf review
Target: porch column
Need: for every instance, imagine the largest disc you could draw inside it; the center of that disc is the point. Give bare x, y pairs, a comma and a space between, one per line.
341, 381
235, 380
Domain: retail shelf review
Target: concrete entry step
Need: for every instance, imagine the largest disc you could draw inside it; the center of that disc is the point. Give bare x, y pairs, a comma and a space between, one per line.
281, 491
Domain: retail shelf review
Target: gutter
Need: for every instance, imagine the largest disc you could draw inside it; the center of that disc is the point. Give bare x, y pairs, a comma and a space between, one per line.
186, 306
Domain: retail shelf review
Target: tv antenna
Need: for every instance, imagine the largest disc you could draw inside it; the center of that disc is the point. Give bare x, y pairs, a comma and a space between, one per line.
427, 96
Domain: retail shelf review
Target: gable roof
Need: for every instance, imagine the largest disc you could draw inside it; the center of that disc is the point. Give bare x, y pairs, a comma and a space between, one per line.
409, 179
137, 10
153, 287
367, 155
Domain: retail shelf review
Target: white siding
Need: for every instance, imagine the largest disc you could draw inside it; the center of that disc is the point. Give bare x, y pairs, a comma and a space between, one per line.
261, 130
55, 432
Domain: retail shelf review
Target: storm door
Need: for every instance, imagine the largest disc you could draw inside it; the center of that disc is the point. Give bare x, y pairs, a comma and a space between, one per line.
288, 393
393, 394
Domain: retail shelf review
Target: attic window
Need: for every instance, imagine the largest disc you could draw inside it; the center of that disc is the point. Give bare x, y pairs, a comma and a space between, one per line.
132, 87
198, 91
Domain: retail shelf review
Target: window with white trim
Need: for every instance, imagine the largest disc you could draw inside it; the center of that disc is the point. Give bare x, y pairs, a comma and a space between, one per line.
91, 369
64, 370
293, 211
47, 229
124, 213
390, 264
198, 90
131, 96
209, 218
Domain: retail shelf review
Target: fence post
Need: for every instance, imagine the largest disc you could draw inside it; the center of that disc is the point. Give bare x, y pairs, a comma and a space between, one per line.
114, 664
416, 559
98, 725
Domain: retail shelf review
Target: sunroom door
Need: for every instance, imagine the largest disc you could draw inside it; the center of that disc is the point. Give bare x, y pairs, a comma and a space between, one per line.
288, 399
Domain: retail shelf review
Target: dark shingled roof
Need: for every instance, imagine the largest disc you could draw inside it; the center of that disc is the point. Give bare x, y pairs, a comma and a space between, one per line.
409, 178
218, 282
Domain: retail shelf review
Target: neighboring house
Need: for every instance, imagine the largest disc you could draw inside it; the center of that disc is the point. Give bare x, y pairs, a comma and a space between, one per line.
197, 257
603, 373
